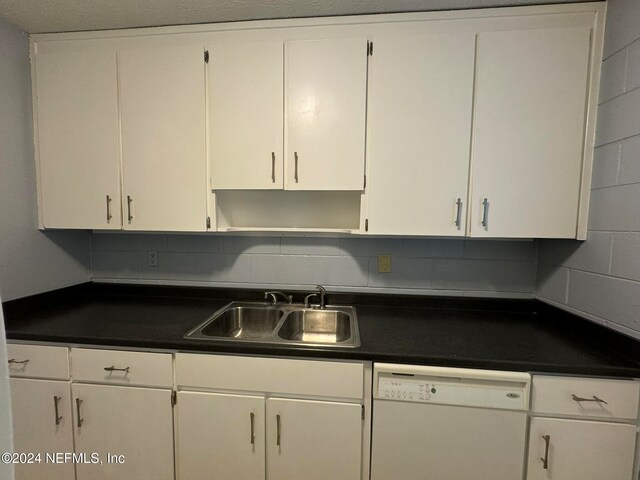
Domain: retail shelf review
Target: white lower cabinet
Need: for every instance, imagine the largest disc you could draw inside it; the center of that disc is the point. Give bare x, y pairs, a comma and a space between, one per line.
133, 422
313, 440
220, 436
42, 424
562, 449
225, 436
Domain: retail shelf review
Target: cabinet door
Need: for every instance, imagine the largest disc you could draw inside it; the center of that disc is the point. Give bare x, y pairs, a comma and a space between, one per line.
313, 440
162, 94
420, 128
220, 436
326, 103
529, 132
246, 115
77, 136
580, 450
41, 411
134, 422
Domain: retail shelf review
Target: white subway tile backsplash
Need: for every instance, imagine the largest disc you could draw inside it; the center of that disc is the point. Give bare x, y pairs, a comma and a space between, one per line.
613, 76
250, 244
433, 248
116, 264
626, 256
592, 255
615, 209
310, 246
630, 160
500, 250
623, 25
369, 247
405, 273
130, 242
552, 282
606, 161
309, 270
613, 299
228, 268
633, 70
171, 266
484, 275
194, 243
619, 118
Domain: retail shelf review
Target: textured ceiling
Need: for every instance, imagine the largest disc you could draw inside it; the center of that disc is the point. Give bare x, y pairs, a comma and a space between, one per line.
39, 16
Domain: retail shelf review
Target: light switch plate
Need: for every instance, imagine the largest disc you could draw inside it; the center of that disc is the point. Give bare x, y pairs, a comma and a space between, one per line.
384, 263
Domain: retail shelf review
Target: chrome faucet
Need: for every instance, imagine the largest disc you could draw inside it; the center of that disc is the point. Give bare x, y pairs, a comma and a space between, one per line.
274, 296
320, 293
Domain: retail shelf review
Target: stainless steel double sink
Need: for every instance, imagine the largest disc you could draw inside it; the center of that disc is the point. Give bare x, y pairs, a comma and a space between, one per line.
287, 324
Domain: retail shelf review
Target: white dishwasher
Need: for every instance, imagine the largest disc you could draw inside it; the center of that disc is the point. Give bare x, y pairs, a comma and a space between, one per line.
436, 423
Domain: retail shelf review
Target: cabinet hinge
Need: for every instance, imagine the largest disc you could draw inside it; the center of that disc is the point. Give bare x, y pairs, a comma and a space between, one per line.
206, 56
362, 412
174, 397
369, 48
366, 225
208, 223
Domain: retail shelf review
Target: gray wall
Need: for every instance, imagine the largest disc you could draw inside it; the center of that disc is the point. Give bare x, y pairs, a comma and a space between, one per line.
30, 261
600, 278
425, 266
6, 444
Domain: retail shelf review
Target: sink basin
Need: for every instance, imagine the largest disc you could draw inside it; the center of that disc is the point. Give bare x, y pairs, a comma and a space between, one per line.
244, 322
284, 324
316, 326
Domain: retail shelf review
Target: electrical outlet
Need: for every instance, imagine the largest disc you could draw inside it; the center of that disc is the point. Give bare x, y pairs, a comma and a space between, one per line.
384, 263
152, 258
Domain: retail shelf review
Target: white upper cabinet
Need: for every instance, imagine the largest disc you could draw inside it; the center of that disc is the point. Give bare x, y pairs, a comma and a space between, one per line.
529, 130
76, 113
246, 117
162, 91
326, 85
421, 88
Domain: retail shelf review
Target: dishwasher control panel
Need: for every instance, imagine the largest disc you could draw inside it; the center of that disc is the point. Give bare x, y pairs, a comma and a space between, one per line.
454, 390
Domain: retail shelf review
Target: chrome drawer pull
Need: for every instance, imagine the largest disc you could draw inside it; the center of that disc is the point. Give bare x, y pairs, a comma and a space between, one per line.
109, 216
273, 167
56, 401
295, 173
593, 399
278, 430
485, 213
545, 459
458, 212
80, 419
114, 369
253, 433
13, 361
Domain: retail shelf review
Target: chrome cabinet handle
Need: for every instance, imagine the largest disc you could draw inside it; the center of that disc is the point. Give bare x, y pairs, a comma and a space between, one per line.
13, 361
114, 369
485, 213
56, 401
80, 419
253, 433
278, 430
129, 200
545, 459
592, 399
295, 173
273, 167
458, 212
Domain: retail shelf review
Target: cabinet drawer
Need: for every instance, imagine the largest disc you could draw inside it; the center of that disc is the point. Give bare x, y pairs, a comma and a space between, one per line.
38, 361
589, 397
273, 375
122, 368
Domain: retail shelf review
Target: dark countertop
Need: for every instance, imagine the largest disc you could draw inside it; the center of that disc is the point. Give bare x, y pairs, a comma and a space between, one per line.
520, 335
